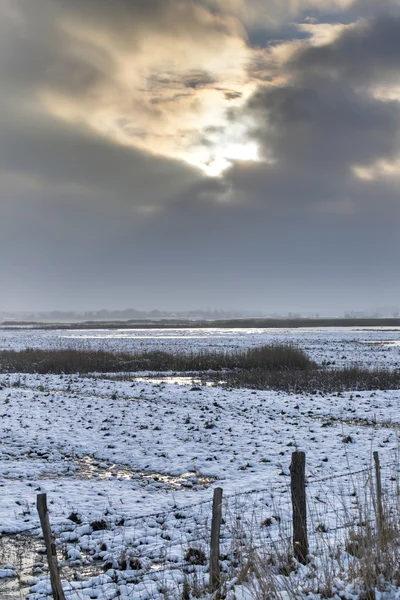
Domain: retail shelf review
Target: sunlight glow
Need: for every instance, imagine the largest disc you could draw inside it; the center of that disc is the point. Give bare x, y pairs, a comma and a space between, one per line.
215, 163
223, 158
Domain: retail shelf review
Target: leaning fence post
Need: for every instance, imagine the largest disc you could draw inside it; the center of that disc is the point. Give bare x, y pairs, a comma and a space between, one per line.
56, 587
299, 506
379, 516
214, 545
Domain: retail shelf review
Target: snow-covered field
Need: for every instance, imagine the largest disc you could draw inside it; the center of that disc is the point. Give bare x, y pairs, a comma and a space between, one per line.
369, 346
141, 458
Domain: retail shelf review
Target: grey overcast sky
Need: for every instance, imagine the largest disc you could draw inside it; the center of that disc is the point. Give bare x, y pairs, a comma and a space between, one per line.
181, 154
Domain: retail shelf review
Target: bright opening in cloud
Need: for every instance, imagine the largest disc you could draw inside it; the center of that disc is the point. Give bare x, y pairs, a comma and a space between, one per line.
222, 157
171, 93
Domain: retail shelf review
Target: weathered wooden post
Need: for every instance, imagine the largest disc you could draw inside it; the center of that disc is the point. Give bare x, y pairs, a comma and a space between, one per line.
215, 576
299, 506
56, 587
379, 514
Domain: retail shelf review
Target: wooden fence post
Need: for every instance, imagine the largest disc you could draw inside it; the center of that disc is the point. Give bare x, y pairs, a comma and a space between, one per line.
299, 506
214, 545
56, 587
379, 516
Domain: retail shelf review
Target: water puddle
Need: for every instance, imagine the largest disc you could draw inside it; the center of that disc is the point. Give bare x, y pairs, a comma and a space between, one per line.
175, 380
90, 468
158, 379
19, 556
24, 558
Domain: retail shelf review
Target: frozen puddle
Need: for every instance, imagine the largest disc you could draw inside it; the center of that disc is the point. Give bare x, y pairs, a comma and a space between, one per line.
89, 468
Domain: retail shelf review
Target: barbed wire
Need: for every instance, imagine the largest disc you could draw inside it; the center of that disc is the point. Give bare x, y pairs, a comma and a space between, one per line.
19, 531
156, 547
271, 488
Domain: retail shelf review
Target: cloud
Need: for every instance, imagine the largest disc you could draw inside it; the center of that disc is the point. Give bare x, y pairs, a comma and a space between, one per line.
52, 154
322, 117
271, 14
144, 75
367, 52
321, 124
109, 109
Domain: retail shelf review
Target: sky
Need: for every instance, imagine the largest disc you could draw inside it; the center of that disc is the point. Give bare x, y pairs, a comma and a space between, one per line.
184, 154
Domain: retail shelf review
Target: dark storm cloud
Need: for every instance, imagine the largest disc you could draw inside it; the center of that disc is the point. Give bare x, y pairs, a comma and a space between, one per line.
54, 154
98, 207
368, 52
321, 124
317, 127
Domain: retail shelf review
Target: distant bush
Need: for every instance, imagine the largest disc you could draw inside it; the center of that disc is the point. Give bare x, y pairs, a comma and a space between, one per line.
274, 357
319, 379
269, 358
61, 361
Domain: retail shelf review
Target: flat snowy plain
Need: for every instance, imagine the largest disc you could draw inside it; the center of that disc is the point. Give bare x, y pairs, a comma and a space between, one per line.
136, 461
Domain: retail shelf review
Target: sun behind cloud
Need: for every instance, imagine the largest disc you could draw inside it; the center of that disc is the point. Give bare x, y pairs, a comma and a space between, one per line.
169, 93
224, 155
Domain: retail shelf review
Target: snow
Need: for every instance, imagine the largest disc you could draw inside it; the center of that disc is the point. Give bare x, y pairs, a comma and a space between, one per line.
330, 344
140, 458
7, 572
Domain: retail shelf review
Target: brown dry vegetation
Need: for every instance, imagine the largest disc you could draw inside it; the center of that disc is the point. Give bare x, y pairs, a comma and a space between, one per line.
279, 367
273, 357
319, 379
